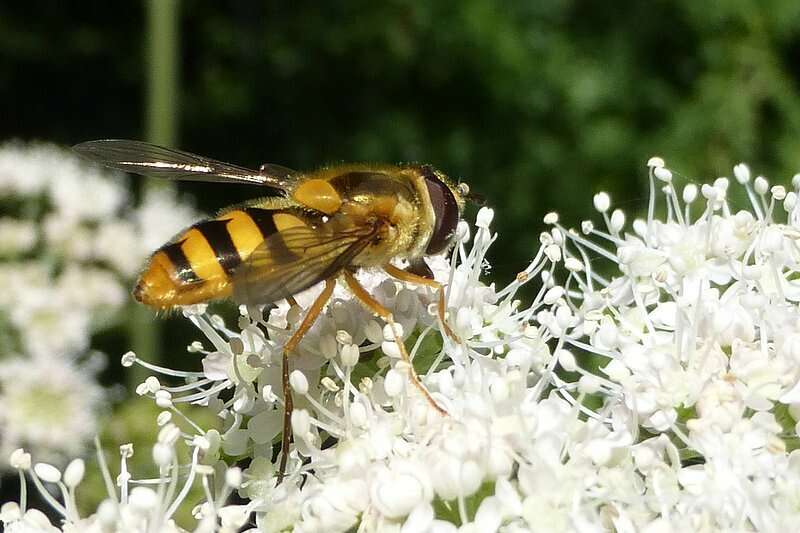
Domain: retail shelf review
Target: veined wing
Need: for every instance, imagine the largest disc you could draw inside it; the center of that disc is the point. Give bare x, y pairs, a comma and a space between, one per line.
297, 258
161, 162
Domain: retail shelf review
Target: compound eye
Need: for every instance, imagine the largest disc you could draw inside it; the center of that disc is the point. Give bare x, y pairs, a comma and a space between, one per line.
445, 211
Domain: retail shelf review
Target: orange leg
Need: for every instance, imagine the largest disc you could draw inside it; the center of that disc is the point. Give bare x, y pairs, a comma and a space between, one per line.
409, 277
373, 305
291, 344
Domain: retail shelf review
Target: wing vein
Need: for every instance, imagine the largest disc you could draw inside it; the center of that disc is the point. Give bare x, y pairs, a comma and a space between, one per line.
168, 163
308, 256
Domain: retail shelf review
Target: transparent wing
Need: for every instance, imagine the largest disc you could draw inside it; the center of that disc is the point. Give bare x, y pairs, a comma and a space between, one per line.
295, 259
161, 162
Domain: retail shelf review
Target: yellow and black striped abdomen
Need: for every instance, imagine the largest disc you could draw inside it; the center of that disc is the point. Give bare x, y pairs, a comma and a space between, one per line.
199, 264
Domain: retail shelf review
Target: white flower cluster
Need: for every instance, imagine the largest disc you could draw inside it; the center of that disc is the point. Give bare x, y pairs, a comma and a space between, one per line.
657, 392
69, 243
132, 506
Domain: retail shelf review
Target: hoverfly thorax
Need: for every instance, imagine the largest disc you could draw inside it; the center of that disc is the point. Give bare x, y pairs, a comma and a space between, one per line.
447, 206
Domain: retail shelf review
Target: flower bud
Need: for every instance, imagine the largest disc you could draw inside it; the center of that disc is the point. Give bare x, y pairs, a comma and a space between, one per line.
351, 354
298, 382
690, 193
47, 472
602, 201
389, 331
484, 218
20, 459
617, 220
393, 384
73, 474
761, 185
662, 174
742, 173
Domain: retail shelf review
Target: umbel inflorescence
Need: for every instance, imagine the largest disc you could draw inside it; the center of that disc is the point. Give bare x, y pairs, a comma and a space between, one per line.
651, 384
71, 239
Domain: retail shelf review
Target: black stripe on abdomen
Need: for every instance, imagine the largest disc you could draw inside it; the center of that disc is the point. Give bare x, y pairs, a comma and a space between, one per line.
266, 225
264, 221
183, 269
219, 238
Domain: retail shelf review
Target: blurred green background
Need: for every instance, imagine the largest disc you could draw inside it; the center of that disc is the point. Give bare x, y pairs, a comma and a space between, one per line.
538, 105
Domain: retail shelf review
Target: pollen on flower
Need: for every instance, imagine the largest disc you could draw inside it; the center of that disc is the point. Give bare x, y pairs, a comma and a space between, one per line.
128, 359
20, 459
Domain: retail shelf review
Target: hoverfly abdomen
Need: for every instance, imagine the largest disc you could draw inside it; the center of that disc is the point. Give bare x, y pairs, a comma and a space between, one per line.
184, 271
220, 239
201, 262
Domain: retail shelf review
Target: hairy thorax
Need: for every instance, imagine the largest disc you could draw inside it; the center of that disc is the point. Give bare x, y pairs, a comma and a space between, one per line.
396, 217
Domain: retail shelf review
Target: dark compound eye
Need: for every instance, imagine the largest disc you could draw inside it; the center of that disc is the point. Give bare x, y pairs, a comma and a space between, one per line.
445, 211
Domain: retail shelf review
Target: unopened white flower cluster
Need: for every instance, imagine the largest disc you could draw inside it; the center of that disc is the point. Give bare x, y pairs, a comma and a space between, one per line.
651, 384
69, 244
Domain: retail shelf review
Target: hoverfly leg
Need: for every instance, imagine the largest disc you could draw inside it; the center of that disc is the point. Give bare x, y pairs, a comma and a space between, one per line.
410, 277
420, 268
288, 407
311, 315
373, 305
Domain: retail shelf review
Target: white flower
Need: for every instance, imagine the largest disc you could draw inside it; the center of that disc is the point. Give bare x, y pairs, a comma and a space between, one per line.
84, 192
161, 216
118, 243
17, 277
48, 405
16, 236
96, 290
69, 245
68, 237
660, 393
141, 506
25, 170
699, 332
31, 521
49, 323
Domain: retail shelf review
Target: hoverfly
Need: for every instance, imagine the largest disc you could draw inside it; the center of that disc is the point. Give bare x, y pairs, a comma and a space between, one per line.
315, 227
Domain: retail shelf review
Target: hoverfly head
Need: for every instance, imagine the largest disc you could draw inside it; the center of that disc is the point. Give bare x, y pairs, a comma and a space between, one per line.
447, 202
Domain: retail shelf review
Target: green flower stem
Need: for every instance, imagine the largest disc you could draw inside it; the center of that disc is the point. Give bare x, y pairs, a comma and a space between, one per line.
162, 60
162, 128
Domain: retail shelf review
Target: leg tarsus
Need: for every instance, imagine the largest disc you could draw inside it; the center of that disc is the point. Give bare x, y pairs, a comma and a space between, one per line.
411, 277
361, 293
288, 406
291, 344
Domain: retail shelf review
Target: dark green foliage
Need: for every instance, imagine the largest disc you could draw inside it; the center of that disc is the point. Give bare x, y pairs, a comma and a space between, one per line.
448, 510
788, 423
538, 104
